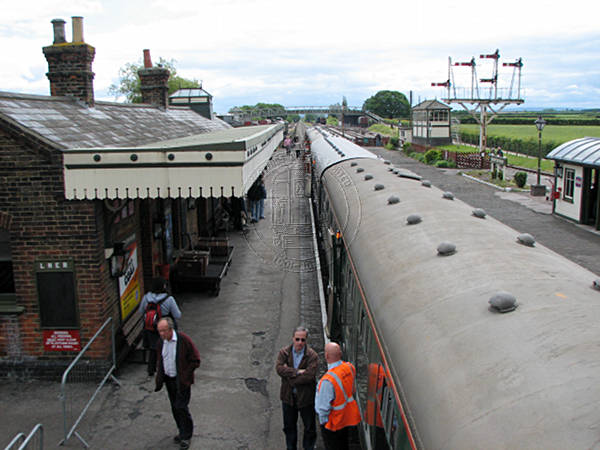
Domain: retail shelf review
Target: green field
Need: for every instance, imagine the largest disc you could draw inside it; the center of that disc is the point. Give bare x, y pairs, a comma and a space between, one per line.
555, 133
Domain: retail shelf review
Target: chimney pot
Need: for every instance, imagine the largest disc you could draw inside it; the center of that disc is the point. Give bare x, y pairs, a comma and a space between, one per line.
147, 59
77, 28
59, 31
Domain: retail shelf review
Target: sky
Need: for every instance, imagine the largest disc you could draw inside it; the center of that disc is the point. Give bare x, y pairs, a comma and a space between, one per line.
314, 53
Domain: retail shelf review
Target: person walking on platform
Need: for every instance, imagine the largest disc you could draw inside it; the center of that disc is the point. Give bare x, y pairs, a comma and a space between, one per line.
253, 198
262, 194
297, 366
157, 303
335, 402
178, 357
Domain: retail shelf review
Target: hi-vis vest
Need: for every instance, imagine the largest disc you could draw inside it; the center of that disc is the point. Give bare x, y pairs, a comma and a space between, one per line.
344, 412
374, 395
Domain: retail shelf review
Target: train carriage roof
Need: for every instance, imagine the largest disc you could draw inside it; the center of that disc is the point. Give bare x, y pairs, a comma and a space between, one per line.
329, 149
473, 377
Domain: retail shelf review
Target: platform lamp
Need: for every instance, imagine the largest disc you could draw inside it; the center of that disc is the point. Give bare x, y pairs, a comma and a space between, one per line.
538, 189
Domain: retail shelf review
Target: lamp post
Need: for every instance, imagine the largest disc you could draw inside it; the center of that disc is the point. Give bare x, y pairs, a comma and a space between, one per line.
539, 189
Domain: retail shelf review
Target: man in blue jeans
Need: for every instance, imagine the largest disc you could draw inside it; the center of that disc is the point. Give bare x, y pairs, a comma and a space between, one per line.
297, 366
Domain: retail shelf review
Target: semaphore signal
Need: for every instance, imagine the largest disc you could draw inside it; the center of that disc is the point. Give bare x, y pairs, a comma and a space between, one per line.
476, 97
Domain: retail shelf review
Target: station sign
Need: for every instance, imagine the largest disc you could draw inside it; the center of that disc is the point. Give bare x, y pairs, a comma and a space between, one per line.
62, 340
498, 160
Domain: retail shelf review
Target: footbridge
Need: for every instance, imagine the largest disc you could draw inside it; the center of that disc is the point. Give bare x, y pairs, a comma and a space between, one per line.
273, 113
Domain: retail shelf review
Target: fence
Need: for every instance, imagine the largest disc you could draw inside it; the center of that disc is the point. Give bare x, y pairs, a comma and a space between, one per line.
109, 374
36, 437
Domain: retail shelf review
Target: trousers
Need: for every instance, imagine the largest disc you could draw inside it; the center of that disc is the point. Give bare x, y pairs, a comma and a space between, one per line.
180, 399
290, 420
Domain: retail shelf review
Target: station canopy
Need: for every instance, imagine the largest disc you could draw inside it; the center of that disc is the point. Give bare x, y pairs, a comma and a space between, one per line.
582, 152
214, 164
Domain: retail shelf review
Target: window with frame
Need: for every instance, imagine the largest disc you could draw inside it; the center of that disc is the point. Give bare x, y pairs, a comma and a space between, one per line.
569, 184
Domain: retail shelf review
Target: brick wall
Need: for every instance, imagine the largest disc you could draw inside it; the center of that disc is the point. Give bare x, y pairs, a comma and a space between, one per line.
45, 225
70, 70
154, 86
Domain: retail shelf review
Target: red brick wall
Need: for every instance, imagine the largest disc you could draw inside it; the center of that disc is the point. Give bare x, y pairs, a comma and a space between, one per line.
45, 225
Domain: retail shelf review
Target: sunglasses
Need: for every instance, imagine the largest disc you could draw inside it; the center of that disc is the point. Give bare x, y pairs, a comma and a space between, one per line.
300, 339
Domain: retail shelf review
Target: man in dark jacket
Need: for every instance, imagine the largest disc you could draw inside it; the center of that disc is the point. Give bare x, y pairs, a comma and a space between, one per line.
297, 366
177, 359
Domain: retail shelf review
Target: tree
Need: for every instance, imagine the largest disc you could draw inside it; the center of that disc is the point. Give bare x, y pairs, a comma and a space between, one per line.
261, 110
388, 104
129, 81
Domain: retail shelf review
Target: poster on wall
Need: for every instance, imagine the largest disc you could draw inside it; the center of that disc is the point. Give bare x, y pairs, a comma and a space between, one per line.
129, 283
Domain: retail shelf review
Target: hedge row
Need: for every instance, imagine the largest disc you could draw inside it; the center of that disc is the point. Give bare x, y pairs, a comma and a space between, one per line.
516, 145
531, 120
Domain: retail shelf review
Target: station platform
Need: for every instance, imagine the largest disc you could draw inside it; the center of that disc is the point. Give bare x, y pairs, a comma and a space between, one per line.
270, 288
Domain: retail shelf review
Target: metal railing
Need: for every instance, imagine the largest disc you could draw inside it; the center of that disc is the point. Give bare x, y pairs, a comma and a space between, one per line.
36, 437
109, 374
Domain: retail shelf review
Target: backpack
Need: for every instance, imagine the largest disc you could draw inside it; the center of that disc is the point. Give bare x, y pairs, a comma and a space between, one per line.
152, 315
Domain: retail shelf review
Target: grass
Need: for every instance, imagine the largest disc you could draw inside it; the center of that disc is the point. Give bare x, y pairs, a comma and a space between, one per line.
556, 133
513, 159
384, 129
486, 175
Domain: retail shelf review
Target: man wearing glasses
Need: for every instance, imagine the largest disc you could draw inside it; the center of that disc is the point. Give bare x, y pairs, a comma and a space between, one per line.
297, 366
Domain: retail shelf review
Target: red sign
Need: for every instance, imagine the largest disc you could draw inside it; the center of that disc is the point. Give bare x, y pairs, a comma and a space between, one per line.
62, 340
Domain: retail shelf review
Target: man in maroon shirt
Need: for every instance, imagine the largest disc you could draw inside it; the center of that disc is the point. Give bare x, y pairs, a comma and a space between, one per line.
177, 358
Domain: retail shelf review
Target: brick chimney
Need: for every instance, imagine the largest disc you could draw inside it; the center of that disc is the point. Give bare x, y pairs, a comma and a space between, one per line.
70, 63
154, 83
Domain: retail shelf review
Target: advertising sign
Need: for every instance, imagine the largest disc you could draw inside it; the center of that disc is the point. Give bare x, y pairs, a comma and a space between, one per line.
62, 340
129, 283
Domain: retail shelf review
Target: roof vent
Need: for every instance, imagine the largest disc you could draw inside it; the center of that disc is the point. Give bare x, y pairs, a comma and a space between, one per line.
480, 213
414, 219
526, 239
426, 183
379, 187
596, 284
503, 302
353, 163
368, 176
359, 170
446, 249
393, 200
386, 162
448, 195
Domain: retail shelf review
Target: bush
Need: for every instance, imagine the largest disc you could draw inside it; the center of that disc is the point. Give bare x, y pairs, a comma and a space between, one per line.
407, 148
442, 164
389, 146
433, 155
394, 141
520, 179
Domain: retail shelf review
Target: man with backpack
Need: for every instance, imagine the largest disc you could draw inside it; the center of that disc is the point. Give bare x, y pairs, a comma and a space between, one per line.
156, 304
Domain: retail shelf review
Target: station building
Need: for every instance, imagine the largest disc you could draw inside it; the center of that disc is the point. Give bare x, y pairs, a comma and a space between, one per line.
575, 195
431, 124
97, 198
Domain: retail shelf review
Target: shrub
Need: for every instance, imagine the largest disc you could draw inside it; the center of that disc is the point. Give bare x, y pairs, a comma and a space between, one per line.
520, 179
389, 146
431, 156
420, 157
442, 164
394, 141
407, 148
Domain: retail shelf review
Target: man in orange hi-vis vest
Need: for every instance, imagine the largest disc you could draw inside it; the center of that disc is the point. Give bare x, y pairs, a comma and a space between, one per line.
335, 400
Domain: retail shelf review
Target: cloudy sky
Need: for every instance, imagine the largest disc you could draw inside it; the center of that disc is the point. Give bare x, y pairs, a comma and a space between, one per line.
312, 53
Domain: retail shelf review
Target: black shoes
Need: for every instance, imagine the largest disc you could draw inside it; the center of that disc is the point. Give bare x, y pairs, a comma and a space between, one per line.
183, 443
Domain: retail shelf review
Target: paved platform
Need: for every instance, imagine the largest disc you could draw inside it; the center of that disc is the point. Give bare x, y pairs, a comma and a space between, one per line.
269, 290
518, 210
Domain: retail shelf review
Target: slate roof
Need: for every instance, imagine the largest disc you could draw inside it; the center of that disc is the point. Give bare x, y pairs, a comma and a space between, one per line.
69, 123
584, 151
431, 104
